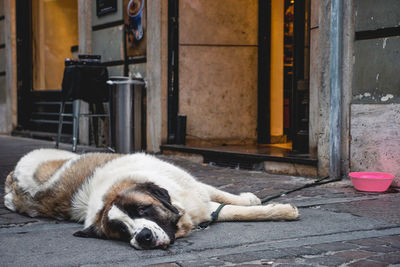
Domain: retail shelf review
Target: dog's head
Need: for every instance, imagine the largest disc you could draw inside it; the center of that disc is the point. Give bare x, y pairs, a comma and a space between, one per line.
141, 214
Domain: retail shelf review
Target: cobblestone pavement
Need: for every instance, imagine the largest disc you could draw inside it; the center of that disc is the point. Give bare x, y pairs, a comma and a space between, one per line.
338, 227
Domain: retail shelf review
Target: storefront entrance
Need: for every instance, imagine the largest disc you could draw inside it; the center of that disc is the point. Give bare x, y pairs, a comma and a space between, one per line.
284, 74
47, 33
238, 72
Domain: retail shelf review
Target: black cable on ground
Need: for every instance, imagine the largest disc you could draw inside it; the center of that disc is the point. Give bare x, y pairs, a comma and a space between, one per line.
321, 181
315, 183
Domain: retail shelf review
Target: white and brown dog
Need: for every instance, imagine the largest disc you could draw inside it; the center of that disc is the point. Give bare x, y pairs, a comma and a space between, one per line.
137, 198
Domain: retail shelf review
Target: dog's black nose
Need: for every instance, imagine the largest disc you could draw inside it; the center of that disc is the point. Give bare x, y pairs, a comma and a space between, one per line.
145, 238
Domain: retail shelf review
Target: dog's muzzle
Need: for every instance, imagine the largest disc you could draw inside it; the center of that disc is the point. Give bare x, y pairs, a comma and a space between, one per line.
146, 239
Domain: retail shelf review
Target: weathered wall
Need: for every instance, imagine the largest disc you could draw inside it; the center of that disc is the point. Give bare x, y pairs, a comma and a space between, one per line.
377, 68
319, 127
108, 41
157, 63
315, 78
375, 109
375, 134
372, 14
8, 90
218, 70
319, 83
3, 90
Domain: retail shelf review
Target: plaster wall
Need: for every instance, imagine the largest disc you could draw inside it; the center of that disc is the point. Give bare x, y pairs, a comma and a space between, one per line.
319, 83
319, 127
84, 47
108, 41
347, 82
218, 95
218, 70
8, 83
377, 68
2, 56
315, 77
2, 25
375, 108
156, 70
3, 89
375, 131
372, 14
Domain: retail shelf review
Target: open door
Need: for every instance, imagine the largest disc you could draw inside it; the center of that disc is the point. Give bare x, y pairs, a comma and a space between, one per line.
301, 66
283, 95
24, 61
47, 33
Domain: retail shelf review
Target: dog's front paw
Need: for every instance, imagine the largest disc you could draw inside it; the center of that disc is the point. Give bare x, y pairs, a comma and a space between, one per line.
251, 199
281, 212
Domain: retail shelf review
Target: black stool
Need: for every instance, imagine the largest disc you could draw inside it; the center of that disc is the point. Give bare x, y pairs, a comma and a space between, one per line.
84, 79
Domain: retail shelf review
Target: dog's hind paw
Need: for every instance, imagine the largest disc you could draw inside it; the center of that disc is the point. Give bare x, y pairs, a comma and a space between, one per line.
252, 199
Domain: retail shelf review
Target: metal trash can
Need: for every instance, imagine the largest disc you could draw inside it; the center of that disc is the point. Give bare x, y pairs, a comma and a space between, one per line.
128, 123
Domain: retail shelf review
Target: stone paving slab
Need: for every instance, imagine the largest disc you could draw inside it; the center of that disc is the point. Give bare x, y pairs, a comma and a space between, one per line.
338, 226
253, 235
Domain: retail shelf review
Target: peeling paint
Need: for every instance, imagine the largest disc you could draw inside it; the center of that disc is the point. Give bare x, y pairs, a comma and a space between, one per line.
386, 97
358, 96
384, 42
367, 94
376, 138
377, 77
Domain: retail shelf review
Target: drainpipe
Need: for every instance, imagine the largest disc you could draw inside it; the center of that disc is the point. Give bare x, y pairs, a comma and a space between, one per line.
335, 89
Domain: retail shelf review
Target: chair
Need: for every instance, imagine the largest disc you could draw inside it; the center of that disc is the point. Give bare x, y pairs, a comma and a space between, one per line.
84, 79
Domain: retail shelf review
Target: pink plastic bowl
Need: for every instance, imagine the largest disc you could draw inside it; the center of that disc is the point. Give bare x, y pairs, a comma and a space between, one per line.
371, 181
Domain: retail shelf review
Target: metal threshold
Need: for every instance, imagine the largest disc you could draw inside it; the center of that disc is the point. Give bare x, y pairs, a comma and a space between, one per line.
246, 156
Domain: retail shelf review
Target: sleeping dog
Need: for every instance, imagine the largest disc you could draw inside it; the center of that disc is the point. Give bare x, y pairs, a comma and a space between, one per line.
137, 198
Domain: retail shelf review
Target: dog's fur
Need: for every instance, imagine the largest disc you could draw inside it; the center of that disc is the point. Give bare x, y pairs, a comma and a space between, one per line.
137, 197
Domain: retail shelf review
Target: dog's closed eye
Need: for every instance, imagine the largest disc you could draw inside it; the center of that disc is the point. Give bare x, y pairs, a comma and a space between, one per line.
135, 211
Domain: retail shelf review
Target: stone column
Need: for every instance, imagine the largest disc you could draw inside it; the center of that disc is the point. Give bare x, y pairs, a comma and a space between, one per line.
85, 47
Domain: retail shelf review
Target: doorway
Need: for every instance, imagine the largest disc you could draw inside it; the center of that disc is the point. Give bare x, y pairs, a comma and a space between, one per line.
244, 102
283, 74
47, 33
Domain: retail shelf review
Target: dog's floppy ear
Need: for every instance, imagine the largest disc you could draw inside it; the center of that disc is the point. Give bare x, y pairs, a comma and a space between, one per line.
161, 195
89, 232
